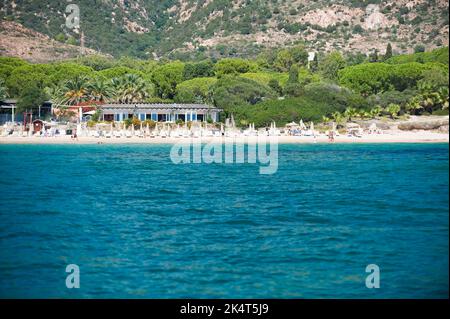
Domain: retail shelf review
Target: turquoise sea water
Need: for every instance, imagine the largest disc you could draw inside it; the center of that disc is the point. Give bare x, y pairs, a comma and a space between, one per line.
139, 226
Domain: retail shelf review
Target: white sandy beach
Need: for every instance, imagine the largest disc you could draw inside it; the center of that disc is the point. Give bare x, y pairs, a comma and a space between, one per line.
386, 137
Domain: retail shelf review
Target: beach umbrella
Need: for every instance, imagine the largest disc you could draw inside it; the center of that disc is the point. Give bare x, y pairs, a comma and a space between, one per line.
352, 125
292, 124
233, 124
302, 125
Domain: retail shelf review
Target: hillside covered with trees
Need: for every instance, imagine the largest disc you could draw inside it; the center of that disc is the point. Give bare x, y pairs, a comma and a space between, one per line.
198, 29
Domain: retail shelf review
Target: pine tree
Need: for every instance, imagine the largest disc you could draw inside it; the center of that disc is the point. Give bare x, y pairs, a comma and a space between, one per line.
388, 53
314, 64
293, 74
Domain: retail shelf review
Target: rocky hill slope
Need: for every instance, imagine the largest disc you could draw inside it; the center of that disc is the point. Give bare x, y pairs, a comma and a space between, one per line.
201, 28
18, 41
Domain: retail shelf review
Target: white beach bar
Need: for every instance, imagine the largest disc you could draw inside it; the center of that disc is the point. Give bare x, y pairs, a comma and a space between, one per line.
160, 112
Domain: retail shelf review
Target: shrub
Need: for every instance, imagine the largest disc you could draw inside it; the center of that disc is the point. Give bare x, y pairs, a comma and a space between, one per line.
419, 48
357, 29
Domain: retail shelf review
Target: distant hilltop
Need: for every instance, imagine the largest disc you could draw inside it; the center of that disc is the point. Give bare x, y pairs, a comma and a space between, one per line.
188, 29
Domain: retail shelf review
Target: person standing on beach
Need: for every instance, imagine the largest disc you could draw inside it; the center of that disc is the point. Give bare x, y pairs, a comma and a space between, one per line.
331, 136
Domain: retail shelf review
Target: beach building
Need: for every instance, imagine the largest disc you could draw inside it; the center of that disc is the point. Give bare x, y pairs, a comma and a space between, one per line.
160, 112
8, 111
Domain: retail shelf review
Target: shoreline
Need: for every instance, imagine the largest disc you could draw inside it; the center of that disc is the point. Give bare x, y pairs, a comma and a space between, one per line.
397, 137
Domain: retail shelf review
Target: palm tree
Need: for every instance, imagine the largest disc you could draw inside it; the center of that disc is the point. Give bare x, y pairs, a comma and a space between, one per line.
76, 90
129, 89
444, 97
338, 118
351, 113
375, 112
429, 101
58, 99
393, 110
99, 90
414, 106
326, 119
365, 115
424, 86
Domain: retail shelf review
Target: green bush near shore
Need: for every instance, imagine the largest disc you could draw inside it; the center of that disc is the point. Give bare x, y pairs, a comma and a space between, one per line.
282, 111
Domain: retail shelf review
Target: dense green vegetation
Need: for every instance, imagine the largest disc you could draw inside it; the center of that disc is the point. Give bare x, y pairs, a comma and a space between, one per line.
438, 55
278, 86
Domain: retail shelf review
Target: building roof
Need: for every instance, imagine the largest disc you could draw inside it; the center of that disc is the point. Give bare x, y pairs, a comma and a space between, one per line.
159, 106
9, 101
